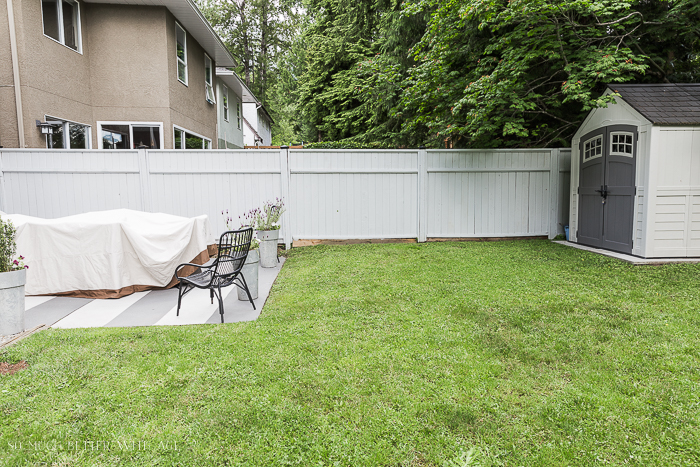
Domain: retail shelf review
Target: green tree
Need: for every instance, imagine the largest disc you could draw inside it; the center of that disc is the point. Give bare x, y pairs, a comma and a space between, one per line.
495, 73
482, 73
349, 86
257, 33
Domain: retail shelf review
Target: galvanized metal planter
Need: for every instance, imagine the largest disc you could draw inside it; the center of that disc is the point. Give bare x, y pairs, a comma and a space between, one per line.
250, 273
268, 247
12, 301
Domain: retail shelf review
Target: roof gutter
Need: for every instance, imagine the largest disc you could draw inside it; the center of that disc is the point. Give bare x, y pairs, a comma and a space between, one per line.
211, 31
15, 73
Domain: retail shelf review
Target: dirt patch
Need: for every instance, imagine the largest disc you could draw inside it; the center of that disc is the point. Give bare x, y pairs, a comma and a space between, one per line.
12, 368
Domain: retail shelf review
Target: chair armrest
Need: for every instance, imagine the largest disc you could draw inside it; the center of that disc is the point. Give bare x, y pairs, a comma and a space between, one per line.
198, 266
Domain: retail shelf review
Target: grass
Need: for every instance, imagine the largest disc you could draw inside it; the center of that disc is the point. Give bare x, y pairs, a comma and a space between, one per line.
439, 354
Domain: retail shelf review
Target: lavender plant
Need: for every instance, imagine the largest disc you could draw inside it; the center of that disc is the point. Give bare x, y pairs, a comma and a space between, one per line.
246, 220
269, 216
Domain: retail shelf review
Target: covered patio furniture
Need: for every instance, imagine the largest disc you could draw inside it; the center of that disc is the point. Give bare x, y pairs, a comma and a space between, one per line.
108, 254
224, 271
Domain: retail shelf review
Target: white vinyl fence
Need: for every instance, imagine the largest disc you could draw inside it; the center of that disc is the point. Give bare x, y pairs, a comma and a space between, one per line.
338, 194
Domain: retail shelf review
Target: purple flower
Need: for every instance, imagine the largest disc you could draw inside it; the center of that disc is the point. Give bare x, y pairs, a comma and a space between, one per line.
15, 262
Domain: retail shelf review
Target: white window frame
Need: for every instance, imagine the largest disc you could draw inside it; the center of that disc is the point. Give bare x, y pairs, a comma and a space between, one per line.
595, 156
224, 101
66, 132
61, 32
206, 142
131, 132
209, 85
177, 59
618, 153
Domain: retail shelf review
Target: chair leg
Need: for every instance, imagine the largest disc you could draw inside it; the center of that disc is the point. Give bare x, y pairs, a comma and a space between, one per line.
245, 287
179, 298
211, 295
221, 305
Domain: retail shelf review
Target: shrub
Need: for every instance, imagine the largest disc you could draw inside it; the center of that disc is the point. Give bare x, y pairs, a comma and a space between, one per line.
8, 247
345, 145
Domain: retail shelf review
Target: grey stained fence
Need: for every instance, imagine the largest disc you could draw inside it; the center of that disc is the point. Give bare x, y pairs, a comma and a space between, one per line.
330, 194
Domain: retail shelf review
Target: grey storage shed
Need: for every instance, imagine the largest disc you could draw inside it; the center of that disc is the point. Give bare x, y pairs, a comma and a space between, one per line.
635, 173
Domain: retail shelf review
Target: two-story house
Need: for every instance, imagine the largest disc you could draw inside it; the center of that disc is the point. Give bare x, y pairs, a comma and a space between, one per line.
233, 94
111, 74
257, 129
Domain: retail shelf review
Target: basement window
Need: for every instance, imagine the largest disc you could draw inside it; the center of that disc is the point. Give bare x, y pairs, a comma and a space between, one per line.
61, 20
67, 135
184, 139
126, 135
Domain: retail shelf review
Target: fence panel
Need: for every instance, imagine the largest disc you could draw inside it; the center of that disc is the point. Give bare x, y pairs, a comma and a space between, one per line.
208, 182
488, 193
353, 194
55, 183
329, 194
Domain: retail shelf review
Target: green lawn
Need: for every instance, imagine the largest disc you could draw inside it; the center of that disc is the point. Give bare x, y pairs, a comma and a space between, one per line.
520, 352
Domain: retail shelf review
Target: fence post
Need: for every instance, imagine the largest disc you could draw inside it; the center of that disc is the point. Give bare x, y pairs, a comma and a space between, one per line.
145, 178
3, 201
553, 193
422, 194
285, 176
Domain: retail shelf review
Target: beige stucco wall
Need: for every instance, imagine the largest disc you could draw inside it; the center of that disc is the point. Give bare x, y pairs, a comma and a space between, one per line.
189, 108
127, 71
55, 79
128, 65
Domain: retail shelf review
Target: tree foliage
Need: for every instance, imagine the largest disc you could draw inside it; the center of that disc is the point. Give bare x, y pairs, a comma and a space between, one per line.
258, 33
483, 73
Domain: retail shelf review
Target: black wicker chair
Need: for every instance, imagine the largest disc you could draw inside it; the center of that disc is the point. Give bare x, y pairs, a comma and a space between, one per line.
224, 271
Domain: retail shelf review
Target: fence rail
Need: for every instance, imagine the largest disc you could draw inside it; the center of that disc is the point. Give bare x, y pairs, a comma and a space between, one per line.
330, 194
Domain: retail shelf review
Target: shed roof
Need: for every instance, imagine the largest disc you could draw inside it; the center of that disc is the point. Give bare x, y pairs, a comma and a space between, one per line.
663, 104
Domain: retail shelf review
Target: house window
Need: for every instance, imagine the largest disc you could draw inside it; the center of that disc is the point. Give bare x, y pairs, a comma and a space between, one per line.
593, 148
621, 144
184, 139
124, 135
208, 88
224, 101
62, 22
181, 54
67, 135
238, 114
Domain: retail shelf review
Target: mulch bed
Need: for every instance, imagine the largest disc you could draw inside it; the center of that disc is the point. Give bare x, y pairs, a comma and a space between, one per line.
12, 368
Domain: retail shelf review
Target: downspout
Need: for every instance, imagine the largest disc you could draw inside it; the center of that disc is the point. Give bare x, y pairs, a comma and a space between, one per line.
15, 72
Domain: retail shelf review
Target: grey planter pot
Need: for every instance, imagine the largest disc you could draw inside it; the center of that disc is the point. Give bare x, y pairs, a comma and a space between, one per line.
268, 247
12, 301
250, 273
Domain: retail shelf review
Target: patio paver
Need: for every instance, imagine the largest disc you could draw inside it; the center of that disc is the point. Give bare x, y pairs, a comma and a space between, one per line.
153, 308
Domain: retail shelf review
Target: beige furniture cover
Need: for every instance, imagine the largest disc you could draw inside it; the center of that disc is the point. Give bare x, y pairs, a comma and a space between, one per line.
107, 254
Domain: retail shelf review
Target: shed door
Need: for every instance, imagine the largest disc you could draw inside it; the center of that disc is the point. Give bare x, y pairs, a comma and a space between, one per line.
607, 188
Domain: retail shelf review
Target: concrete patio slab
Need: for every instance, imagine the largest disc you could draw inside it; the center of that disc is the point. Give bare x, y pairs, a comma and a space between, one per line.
153, 308
628, 258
